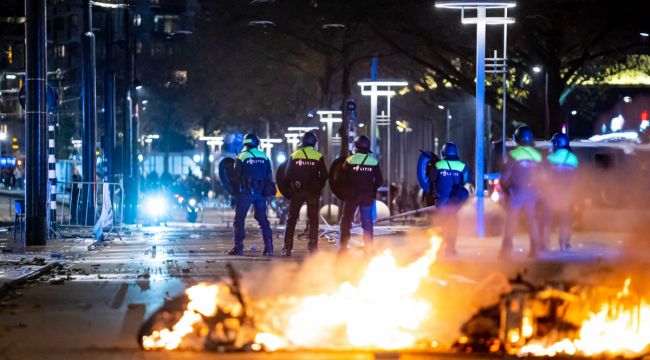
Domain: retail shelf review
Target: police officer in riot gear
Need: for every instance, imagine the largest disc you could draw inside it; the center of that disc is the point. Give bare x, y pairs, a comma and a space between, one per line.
360, 177
253, 182
449, 176
561, 173
306, 174
519, 177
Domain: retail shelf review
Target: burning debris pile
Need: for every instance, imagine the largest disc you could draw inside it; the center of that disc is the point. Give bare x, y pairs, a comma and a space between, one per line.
209, 317
393, 306
383, 310
620, 326
561, 319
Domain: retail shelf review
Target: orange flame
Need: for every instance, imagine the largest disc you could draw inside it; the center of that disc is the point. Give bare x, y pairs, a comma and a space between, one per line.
620, 328
382, 311
204, 299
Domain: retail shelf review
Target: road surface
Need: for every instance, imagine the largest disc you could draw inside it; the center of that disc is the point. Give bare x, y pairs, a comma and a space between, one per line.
93, 305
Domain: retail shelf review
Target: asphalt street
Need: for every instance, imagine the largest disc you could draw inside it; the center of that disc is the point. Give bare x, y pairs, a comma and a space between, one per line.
93, 302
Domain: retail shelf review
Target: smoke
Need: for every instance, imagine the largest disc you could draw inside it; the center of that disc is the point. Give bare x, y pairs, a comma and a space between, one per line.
610, 227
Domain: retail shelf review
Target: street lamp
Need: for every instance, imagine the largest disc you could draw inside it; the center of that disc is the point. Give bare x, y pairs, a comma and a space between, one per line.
481, 20
292, 140
376, 88
330, 117
402, 128
148, 140
302, 129
266, 144
547, 122
447, 124
3, 137
213, 141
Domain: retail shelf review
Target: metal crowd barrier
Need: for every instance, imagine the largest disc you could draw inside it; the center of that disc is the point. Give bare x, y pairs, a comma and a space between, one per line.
69, 199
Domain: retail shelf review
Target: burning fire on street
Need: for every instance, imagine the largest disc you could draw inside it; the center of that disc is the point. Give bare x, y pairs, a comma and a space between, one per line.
390, 306
620, 327
357, 315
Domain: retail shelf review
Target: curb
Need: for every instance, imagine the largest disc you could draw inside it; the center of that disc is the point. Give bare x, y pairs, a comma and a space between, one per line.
30, 276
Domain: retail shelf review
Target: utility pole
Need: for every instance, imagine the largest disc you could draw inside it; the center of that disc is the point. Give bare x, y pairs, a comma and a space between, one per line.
482, 19
129, 167
109, 100
89, 115
36, 228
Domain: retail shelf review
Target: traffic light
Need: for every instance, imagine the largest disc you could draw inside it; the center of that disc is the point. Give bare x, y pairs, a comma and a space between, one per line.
351, 109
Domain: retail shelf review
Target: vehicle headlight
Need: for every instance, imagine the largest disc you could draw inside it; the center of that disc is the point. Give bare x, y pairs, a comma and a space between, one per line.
192, 202
155, 205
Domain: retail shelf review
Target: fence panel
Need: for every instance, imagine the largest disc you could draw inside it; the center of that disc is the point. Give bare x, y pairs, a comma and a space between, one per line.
69, 200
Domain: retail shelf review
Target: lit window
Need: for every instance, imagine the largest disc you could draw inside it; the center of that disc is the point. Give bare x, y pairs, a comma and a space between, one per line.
60, 51
180, 77
166, 23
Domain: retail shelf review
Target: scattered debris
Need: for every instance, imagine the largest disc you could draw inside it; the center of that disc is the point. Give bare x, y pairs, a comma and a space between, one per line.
59, 281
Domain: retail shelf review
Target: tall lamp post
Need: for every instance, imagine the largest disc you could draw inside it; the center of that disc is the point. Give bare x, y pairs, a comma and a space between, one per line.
330, 117
482, 19
36, 226
213, 142
266, 144
293, 140
375, 89
547, 123
301, 130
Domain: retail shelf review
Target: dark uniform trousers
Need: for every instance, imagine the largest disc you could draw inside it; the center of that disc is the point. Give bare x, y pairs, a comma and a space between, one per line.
243, 202
297, 199
448, 217
516, 203
349, 208
562, 211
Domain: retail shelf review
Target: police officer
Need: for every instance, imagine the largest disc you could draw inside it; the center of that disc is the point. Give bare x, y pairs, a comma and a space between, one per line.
448, 177
561, 170
360, 177
306, 174
252, 181
520, 175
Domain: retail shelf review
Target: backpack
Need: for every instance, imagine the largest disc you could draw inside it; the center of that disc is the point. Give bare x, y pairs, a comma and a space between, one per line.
458, 192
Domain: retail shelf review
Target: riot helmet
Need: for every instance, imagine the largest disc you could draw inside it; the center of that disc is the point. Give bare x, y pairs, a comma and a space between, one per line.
449, 151
362, 144
524, 135
251, 140
560, 141
309, 139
